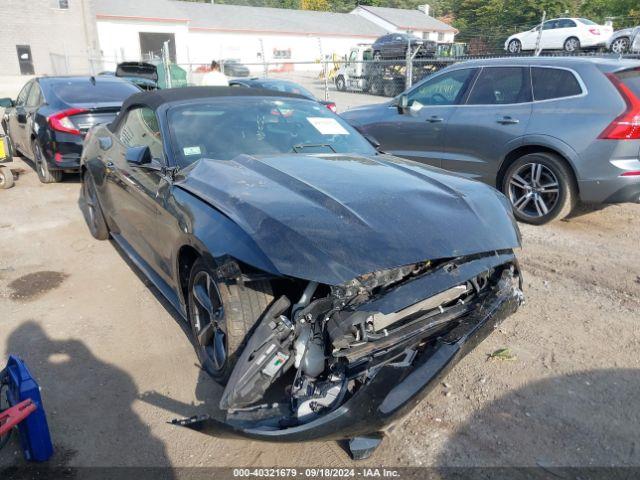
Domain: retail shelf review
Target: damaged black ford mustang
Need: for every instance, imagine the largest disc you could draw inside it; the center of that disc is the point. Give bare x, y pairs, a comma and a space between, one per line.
328, 285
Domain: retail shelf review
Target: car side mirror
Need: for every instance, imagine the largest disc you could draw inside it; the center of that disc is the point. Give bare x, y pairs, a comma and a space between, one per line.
6, 102
138, 155
403, 103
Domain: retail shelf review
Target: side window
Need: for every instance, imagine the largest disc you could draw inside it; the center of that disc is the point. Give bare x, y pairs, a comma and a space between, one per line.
566, 23
550, 25
22, 96
445, 89
501, 85
139, 128
551, 83
35, 98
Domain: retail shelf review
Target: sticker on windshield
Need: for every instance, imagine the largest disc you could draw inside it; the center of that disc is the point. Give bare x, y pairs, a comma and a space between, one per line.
191, 150
327, 126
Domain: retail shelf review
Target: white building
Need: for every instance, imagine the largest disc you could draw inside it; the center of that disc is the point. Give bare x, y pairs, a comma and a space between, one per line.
417, 22
201, 32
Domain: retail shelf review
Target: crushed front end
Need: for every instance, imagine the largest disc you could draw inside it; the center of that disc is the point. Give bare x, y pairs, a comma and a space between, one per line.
349, 360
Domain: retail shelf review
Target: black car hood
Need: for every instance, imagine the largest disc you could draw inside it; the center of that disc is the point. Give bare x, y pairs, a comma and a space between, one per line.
331, 218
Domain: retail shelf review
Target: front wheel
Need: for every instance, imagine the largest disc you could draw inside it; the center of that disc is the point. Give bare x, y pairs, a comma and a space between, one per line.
514, 46
540, 187
6, 178
620, 45
221, 315
571, 45
42, 167
340, 83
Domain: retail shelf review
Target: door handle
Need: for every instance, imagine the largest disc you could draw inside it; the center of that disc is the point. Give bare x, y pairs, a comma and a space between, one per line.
435, 119
508, 121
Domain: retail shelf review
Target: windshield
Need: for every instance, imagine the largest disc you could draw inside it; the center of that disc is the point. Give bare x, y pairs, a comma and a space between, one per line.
288, 87
226, 127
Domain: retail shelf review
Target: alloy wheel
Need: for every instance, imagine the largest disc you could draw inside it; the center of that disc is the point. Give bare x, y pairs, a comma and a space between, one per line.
40, 163
514, 46
534, 190
208, 319
620, 45
571, 45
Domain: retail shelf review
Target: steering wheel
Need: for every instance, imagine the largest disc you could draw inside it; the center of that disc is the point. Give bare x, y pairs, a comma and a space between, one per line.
438, 98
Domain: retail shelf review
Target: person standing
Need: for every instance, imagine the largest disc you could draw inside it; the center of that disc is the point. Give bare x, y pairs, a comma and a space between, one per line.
215, 78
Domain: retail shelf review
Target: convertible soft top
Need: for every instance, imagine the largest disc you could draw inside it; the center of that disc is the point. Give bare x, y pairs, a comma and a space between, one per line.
155, 98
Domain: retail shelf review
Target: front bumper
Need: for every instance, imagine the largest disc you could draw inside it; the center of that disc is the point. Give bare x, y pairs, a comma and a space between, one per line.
392, 393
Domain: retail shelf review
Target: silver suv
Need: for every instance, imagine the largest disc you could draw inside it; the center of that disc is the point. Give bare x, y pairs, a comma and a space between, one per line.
547, 132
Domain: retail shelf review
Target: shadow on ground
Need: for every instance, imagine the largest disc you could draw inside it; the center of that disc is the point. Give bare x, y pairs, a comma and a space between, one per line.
72, 379
588, 419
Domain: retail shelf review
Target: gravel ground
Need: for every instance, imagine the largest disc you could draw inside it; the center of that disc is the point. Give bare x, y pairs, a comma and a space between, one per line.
115, 364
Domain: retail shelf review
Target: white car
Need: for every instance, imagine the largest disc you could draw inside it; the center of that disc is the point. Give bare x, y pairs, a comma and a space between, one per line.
568, 34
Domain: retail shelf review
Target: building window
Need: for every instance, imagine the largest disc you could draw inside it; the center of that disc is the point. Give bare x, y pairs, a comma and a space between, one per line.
62, 4
441, 36
282, 54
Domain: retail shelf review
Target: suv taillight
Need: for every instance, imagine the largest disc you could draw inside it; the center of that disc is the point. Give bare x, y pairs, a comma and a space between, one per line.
627, 125
61, 122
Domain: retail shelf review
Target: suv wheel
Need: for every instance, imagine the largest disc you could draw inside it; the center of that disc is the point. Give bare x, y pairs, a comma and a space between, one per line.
540, 187
515, 46
42, 167
620, 45
571, 45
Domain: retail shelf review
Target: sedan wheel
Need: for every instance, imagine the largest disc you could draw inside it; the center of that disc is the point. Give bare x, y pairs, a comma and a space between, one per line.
208, 320
571, 45
91, 209
620, 45
514, 46
42, 168
540, 187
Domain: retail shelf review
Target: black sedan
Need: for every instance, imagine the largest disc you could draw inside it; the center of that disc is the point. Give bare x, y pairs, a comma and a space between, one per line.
278, 85
394, 46
48, 120
328, 285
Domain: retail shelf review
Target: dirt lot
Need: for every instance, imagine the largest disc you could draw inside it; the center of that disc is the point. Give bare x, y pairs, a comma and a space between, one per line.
115, 364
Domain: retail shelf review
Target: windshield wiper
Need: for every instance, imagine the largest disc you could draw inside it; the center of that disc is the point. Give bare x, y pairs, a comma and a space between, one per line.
302, 146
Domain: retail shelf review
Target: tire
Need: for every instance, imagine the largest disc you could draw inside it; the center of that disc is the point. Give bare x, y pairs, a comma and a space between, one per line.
376, 87
620, 45
571, 45
42, 167
550, 196
340, 84
514, 46
6, 178
232, 310
91, 209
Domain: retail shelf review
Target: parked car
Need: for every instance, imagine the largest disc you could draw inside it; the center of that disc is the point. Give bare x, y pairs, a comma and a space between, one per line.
51, 115
546, 131
568, 34
394, 46
233, 68
328, 285
280, 86
626, 40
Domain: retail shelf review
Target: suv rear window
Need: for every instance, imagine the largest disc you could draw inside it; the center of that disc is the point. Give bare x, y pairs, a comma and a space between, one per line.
549, 83
631, 79
85, 91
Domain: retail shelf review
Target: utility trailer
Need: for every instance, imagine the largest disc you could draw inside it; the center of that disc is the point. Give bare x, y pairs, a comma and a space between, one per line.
361, 73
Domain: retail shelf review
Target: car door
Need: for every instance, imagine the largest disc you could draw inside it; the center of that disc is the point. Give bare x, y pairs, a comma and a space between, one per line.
132, 189
418, 133
492, 121
34, 100
18, 118
565, 28
550, 32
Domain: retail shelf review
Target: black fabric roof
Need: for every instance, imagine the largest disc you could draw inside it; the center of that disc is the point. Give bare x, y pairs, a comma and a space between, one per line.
155, 98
